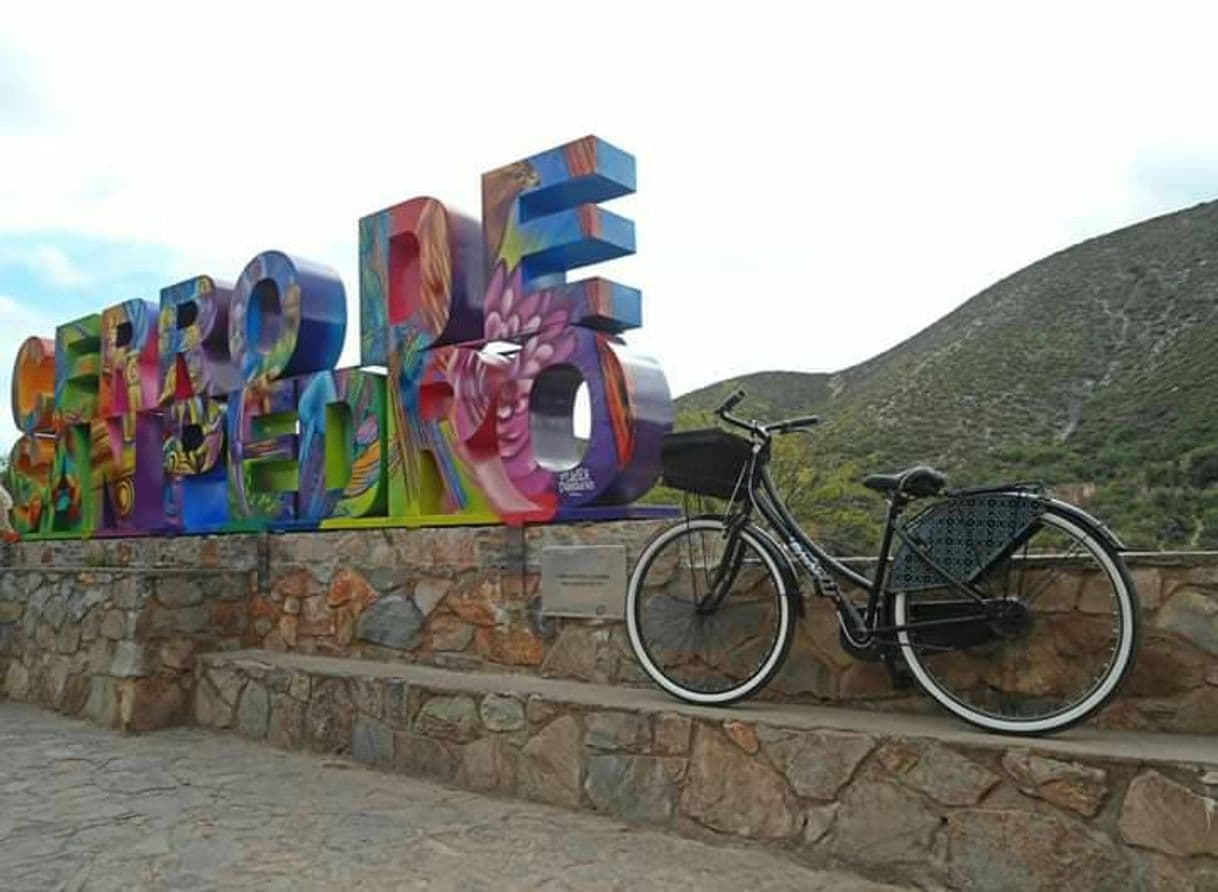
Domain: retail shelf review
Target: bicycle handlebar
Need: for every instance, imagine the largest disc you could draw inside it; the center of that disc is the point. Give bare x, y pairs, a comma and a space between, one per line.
763, 430
787, 425
730, 403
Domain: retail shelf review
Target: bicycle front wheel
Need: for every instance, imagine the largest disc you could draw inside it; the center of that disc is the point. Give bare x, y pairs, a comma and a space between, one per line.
698, 647
1058, 654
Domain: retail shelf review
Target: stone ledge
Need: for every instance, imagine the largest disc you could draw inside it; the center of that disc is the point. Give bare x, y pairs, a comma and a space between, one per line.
1083, 741
910, 798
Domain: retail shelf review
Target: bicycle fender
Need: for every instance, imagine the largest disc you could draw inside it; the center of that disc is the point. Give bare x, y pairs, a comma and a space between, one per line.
1092, 523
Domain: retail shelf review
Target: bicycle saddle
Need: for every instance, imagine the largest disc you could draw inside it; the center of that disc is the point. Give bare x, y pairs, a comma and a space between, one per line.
916, 482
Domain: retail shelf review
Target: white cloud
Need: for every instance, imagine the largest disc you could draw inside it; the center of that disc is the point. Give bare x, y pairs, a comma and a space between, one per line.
55, 267
48, 263
816, 181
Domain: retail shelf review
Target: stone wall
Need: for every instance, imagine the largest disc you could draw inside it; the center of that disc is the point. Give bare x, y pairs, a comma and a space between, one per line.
966, 812
110, 629
469, 598
1174, 683
463, 598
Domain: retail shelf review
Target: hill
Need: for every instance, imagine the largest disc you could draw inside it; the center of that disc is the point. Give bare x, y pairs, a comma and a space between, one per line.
1094, 371
771, 394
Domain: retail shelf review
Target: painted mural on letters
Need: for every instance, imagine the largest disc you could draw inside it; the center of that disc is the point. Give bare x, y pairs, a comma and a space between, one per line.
221, 409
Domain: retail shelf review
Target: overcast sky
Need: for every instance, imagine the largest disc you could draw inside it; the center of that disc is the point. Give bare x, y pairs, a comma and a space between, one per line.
816, 182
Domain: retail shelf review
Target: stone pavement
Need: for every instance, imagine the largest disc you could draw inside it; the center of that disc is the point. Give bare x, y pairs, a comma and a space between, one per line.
84, 808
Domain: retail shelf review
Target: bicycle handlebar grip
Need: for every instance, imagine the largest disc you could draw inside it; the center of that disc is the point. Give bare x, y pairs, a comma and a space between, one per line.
730, 403
801, 421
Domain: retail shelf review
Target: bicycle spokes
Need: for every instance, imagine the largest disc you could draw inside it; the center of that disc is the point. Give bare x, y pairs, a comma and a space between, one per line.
709, 611
1051, 640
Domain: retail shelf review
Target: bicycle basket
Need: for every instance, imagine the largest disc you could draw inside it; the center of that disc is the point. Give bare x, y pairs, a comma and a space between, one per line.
965, 536
707, 462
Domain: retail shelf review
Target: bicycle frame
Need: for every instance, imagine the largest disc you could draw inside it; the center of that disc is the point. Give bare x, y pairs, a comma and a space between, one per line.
814, 560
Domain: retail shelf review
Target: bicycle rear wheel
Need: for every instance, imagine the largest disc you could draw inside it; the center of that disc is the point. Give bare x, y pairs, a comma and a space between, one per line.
1059, 654
701, 652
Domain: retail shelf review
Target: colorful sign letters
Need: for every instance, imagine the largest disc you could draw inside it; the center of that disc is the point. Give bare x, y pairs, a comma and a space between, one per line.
221, 408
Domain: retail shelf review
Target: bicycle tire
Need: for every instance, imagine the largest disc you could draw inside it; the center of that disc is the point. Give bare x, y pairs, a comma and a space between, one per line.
1105, 687
776, 650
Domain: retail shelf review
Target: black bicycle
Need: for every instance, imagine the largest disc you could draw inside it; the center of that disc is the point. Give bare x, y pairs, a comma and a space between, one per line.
1011, 609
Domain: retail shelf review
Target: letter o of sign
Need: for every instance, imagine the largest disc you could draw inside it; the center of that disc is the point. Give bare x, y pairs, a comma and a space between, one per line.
288, 316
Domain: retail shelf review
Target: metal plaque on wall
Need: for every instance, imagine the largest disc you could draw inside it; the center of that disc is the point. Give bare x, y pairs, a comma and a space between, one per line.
584, 581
